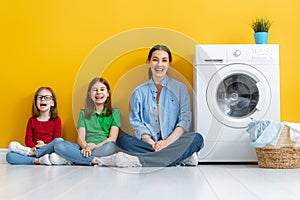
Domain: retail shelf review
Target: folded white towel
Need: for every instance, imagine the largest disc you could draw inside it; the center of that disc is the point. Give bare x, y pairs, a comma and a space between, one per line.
294, 130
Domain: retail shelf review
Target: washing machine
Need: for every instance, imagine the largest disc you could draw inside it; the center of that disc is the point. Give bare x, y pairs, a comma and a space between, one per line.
234, 84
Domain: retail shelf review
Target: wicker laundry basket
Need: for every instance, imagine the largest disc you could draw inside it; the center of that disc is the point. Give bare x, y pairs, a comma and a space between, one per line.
286, 153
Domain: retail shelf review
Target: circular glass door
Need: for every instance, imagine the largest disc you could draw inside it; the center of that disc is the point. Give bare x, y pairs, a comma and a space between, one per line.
236, 94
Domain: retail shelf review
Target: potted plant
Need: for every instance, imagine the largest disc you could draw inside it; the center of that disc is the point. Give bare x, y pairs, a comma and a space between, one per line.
261, 26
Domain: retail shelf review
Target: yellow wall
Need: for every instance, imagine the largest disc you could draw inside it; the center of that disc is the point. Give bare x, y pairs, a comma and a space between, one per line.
47, 42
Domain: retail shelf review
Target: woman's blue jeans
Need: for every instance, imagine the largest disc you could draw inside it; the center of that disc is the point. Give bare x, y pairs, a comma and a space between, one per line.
176, 152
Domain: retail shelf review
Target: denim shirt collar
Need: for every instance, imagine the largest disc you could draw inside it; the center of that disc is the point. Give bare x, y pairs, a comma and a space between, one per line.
164, 83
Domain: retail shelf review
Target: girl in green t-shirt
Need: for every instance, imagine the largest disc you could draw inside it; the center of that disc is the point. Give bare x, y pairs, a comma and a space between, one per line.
98, 127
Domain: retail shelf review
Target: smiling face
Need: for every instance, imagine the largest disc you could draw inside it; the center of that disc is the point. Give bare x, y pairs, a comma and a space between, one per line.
44, 100
99, 93
159, 64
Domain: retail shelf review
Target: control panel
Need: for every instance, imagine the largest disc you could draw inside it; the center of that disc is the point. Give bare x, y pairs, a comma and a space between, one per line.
252, 53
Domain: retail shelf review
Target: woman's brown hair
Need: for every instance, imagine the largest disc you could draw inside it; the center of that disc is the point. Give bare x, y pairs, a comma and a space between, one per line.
154, 48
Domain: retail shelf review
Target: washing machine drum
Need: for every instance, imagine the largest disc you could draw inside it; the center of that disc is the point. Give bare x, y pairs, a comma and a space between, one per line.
236, 94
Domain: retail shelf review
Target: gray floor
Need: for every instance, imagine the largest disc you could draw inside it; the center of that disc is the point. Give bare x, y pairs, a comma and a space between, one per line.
203, 182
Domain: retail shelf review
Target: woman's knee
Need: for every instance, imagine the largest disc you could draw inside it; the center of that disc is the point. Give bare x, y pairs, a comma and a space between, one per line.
199, 140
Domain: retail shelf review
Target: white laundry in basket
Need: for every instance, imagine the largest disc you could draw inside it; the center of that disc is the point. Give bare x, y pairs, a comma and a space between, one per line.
294, 130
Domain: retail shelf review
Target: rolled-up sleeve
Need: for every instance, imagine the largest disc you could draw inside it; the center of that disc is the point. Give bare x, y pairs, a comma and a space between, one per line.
185, 114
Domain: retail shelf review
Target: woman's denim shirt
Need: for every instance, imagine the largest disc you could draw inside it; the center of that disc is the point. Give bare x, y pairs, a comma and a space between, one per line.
174, 109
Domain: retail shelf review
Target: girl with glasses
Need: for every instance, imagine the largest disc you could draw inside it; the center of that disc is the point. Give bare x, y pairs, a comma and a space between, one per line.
42, 132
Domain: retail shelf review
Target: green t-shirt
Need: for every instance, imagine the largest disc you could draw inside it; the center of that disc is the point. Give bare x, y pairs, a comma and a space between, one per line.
98, 126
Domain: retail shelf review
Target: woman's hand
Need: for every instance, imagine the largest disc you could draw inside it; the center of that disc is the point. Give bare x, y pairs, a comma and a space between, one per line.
157, 146
169, 140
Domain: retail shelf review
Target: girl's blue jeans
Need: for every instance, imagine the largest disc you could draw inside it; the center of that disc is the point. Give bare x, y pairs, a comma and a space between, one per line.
71, 152
19, 159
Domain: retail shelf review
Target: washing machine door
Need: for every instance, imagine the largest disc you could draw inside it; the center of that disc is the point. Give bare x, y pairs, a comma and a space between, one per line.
236, 93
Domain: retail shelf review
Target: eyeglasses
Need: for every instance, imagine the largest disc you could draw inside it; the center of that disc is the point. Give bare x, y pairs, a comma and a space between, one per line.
45, 97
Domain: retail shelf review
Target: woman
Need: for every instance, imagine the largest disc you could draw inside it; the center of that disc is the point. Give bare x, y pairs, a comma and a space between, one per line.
160, 116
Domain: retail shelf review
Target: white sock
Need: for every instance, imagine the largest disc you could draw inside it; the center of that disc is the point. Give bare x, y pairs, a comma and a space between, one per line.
18, 148
56, 159
45, 160
120, 159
